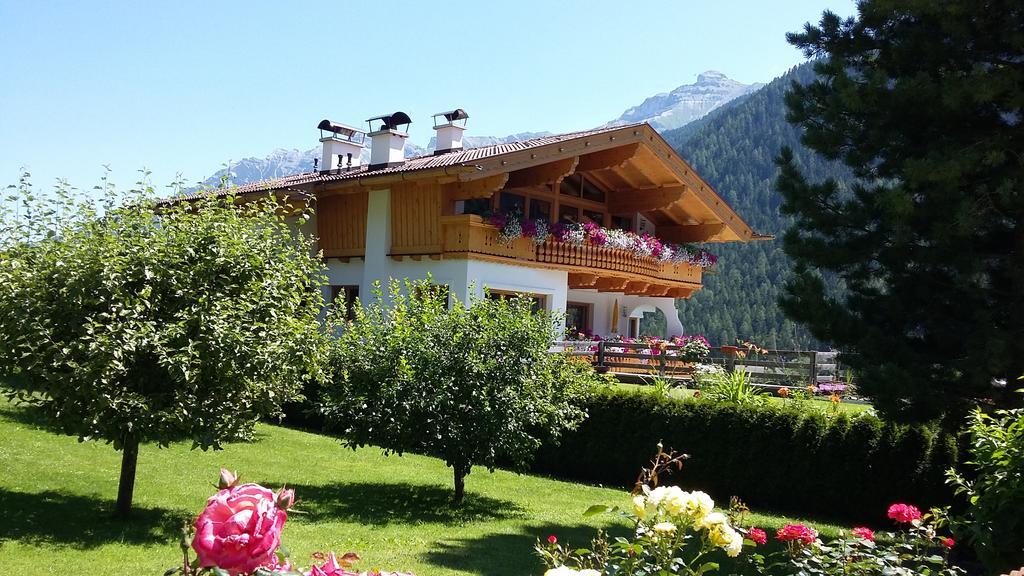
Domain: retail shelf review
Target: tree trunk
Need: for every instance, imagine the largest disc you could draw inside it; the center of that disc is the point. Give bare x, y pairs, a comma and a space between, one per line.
460, 482
126, 487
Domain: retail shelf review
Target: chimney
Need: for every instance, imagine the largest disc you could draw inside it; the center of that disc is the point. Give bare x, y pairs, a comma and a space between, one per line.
342, 146
449, 133
387, 143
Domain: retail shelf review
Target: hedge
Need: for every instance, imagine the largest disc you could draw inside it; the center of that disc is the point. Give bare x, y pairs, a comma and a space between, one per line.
775, 456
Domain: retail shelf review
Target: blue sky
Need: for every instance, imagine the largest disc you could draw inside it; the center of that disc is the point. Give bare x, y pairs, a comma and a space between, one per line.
183, 87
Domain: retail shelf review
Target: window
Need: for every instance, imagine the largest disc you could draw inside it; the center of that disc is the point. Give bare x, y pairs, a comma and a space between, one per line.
571, 185
538, 301
623, 223
437, 292
540, 210
592, 192
477, 206
577, 317
512, 203
348, 293
595, 217
568, 214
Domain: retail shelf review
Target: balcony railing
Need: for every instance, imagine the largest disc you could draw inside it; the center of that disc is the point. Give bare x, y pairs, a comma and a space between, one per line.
469, 236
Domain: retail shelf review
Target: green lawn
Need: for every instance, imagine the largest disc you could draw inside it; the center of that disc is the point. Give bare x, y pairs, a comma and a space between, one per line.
821, 404
56, 493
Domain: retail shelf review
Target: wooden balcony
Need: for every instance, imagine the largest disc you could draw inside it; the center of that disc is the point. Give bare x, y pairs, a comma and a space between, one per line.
604, 269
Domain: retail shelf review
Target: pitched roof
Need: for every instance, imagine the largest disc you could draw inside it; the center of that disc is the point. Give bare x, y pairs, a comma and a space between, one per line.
464, 158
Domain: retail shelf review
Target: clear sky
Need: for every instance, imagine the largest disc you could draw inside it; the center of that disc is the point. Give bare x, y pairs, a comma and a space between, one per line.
185, 86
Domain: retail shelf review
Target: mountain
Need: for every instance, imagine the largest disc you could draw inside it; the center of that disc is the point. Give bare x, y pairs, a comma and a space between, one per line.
686, 103
734, 149
664, 111
282, 162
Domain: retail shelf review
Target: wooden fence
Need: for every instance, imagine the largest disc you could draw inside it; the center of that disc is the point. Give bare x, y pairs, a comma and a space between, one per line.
773, 368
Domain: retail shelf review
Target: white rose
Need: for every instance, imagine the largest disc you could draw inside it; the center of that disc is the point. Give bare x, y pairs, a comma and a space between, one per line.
712, 520
664, 528
562, 571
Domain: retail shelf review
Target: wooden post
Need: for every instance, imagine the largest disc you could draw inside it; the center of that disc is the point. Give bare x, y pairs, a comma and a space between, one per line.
600, 354
814, 367
661, 362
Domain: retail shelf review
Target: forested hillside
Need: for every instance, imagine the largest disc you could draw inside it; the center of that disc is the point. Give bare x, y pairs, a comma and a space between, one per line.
734, 149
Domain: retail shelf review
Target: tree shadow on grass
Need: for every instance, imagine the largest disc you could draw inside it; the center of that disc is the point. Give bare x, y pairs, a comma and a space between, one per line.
510, 554
80, 521
397, 503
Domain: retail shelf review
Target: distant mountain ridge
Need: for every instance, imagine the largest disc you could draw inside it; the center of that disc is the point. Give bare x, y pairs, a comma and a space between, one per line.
689, 102
665, 111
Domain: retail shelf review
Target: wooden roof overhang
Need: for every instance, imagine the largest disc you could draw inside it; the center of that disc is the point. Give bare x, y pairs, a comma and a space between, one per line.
639, 170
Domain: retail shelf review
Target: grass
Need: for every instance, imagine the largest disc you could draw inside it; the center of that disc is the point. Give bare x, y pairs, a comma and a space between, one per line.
56, 495
820, 404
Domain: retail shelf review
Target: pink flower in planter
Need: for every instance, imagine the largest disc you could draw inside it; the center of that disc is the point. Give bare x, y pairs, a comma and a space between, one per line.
865, 533
240, 529
904, 513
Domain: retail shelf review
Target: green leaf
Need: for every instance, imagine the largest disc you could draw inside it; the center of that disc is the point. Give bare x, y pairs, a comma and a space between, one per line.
707, 567
596, 509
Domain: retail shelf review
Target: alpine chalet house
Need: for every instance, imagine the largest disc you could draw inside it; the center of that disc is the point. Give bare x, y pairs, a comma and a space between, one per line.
598, 224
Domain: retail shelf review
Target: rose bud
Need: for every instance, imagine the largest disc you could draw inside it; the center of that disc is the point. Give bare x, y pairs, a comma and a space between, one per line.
552, 539
228, 479
285, 498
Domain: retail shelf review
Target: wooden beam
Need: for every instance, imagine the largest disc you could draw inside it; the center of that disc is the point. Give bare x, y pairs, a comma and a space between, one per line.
681, 292
657, 290
690, 233
611, 158
542, 173
636, 288
630, 201
582, 280
611, 284
480, 188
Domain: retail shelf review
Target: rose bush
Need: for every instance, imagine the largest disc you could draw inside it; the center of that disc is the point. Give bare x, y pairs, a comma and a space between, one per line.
238, 533
914, 549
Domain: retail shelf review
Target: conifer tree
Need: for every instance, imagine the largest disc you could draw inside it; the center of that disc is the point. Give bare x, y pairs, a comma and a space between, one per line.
922, 101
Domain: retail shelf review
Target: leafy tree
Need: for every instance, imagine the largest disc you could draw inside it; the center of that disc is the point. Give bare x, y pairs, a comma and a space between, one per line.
922, 100
131, 322
472, 385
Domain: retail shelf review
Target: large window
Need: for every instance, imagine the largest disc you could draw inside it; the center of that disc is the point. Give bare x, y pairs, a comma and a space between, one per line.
577, 318
347, 294
511, 203
538, 301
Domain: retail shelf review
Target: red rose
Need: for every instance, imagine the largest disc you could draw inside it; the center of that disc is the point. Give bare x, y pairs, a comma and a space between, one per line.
948, 542
757, 536
904, 513
799, 532
552, 539
865, 533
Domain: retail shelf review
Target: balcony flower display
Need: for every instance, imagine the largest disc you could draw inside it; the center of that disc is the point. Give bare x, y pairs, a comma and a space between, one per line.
512, 226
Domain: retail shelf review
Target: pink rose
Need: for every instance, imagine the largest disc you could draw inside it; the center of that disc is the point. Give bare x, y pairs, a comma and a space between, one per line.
865, 533
757, 536
904, 513
799, 532
240, 529
948, 542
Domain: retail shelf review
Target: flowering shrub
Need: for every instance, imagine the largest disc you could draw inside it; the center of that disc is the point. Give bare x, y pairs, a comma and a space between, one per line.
694, 348
675, 532
512, 226
915, 548
239, 533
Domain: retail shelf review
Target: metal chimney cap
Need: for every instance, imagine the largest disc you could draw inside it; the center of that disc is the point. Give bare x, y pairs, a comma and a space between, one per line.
336, 128
391, 121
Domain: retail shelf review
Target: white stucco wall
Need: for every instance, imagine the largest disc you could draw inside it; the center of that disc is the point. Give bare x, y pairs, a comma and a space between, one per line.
602, 304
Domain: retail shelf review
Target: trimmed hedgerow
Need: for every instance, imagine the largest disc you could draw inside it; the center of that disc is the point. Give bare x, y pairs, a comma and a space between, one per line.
775, 456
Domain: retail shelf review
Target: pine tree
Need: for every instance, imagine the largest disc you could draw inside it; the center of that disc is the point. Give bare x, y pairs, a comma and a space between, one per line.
922, 101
